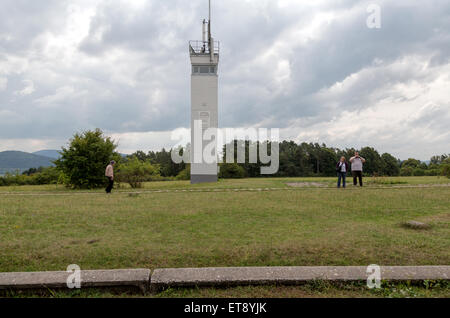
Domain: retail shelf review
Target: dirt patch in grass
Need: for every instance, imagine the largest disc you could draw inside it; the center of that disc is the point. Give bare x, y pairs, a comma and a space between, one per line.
306, 185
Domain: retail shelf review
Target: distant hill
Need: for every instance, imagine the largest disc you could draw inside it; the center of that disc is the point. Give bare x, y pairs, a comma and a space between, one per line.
11, 161
48, 153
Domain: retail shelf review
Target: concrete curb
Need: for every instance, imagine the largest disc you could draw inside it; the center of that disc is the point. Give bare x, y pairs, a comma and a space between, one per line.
222, 277
217, 277
139, 278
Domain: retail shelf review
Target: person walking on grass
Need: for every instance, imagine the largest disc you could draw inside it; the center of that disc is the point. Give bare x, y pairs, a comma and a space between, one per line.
341, 168
357, 168
109, 173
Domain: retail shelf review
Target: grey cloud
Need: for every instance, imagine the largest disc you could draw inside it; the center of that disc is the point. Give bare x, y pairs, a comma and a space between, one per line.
130, 73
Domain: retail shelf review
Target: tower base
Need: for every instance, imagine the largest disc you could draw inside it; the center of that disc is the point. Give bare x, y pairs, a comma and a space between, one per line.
203, 178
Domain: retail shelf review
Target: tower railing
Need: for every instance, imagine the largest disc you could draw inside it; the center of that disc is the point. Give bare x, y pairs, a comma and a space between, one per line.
200, 47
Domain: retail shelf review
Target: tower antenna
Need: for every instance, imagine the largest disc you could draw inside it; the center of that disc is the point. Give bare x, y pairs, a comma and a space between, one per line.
209, 22
210, 39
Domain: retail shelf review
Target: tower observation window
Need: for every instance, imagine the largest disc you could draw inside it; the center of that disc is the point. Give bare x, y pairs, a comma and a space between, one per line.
204, 70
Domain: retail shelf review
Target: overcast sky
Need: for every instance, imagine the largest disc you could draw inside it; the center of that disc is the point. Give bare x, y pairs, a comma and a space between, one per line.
311, 68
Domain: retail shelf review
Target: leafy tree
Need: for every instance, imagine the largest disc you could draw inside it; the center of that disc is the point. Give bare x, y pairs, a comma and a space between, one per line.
232, 171
446, 170
140, 155
163, 158
437, 160
293, 160
322, 160
406, 171
32, 171
83, 162
252, 169
411, 162
135, 172
419, 172
390, 165
374, 163
327, 161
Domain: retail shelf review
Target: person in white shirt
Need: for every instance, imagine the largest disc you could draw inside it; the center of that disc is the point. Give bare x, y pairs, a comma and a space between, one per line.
357, 168
341, 168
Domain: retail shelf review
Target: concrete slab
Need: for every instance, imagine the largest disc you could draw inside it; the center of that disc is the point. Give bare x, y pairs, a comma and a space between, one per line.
416, 225
222, 277
218, 277
196, 179
102, 278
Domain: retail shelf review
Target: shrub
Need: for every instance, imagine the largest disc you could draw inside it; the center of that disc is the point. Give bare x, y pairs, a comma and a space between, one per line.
406, 171
418, 172
232, 171
39, 176
432, 172
84, 161
135, 172
446, 170
185, 174
16, 179
47, 176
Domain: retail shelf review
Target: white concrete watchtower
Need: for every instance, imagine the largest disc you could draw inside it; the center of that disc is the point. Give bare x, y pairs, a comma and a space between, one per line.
204, 104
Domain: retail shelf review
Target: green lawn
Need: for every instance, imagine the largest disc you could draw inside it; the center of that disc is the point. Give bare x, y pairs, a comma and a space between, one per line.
317, 289
240, 184
291, 227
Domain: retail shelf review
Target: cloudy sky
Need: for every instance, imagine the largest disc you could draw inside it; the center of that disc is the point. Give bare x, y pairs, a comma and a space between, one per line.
311, 68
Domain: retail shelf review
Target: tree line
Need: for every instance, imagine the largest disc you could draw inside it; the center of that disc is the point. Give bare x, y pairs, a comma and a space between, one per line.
309, 160
82, 164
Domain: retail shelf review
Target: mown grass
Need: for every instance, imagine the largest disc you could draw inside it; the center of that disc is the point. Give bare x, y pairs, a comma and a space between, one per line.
238, 184
315, 289
296, 227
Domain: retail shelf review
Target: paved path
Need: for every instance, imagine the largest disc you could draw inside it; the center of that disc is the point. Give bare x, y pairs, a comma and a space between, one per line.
220, 190
102, 278
222, 277
218, 277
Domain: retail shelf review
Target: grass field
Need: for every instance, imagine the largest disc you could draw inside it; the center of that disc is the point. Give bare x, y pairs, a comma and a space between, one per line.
317, 289
271, 224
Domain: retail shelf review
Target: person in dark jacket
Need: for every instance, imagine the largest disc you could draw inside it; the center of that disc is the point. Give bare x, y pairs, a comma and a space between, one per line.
342, 167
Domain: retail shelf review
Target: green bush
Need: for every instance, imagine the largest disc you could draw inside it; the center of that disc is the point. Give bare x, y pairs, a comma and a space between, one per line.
39, 176
185, 174
84, 161
47, 176
418, 172
135, 172
446, 170
16, 179
232, 171
406, 171
432, 172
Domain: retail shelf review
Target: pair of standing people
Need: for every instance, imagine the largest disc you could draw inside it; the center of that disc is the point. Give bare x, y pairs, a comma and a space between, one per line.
342, 167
